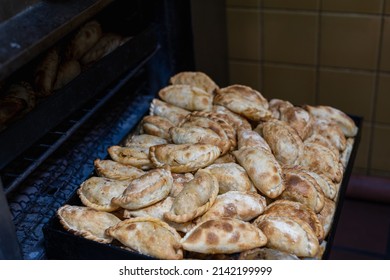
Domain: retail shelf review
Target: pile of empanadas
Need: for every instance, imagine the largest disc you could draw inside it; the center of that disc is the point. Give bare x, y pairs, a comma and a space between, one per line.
219, 173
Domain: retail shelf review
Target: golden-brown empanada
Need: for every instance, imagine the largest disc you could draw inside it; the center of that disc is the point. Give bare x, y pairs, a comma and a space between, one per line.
171, 112
299, 119
326, 215
146, 190
184, 157
287, 208
250, 138
187, 97
266, 254
331, 131
86, 37
231, 177
115, 170
346, 154
87, 222
97, 192
226, 158
289, 235
232, 118
67, 71
195, 199
278, 105
196, 79
327, 113
106, 44
157, 126
149, 236
144, 139
283, 140
178, 182
136, 155
240, 205
321, 140
263, 169
46, 73
327, 186
244, 101
223, 236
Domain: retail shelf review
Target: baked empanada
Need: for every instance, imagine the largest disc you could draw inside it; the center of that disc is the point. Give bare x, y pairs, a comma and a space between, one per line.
232, 118
157, 126
263, 169
185, 157
283, 140
289, 235
278, 105
240, 205
187, 97
195, 199
223, 236
115, 170
250, 138
46, 73
346, 154
178, 182
97, 192
149, 236
144, 139
196, 79
146, 190
327, 113
303, 188
326, 215
85, 38
231, 177
321, 140
106, 44
87, 222
136, 155
287, 208
244, 101
266, 254
327, 186
171, 112
226, 158
67, 71
299, 119
331, 131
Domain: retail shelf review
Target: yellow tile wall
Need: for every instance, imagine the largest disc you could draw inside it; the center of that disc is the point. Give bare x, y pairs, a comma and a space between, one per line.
332, 52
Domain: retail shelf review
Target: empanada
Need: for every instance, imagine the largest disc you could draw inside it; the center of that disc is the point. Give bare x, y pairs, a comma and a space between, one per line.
331, 131
144, 139
226, 158
240, 205
250, 138
106, 44
149, 236
321, 140
97, 192
87, 222
178, 182
283, 140
196, 79
187, 97
327, 186
244, 101
287, 208
326, 215
327, 113
299, 119
146, 190
46, 73
171, 112
136, 155
303, 188
278, 105
223, 236
157, 126
115, 170
266, 254
231, 177
195, 199
185, 157
346, 154
289, 235
232, 118
67, 71
263, 169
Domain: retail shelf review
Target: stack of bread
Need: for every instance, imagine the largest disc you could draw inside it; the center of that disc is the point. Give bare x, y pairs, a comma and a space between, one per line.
219, 173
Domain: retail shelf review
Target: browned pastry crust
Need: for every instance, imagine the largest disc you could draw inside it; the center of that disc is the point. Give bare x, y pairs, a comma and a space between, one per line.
144, 139
322, 140
299, 119
331, 131
157, 126
187, 97
326, 215
250, 138
226, 158
196, 79
347, 152
178, 182
136, 155
184, 157
232, 118
266, 254
46, 73
106, 44
87, 222
67, 71
327, 186
278, 105
149, 236
223, 236
115, 170
171, 112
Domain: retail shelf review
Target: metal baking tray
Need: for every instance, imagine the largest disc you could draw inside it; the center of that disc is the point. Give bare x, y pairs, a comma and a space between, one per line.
61, 244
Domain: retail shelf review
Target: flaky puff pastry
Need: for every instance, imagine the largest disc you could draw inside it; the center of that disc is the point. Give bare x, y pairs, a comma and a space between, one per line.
144, 139
171, 112
97, 192
303, 188
136, 155
232, 118
283, 140
115, 170
326, 215
289, 235
327, 113
149, 236
223, 236
240, 205
230, 176
299, 119
244, 101
287, 208
157, 126
196, 79
184, 157
187, 97
146, 190
197, 196
263, 169
87, 222
250, 138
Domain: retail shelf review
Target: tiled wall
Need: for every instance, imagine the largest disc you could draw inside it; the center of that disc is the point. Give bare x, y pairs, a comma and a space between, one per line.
331, 52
